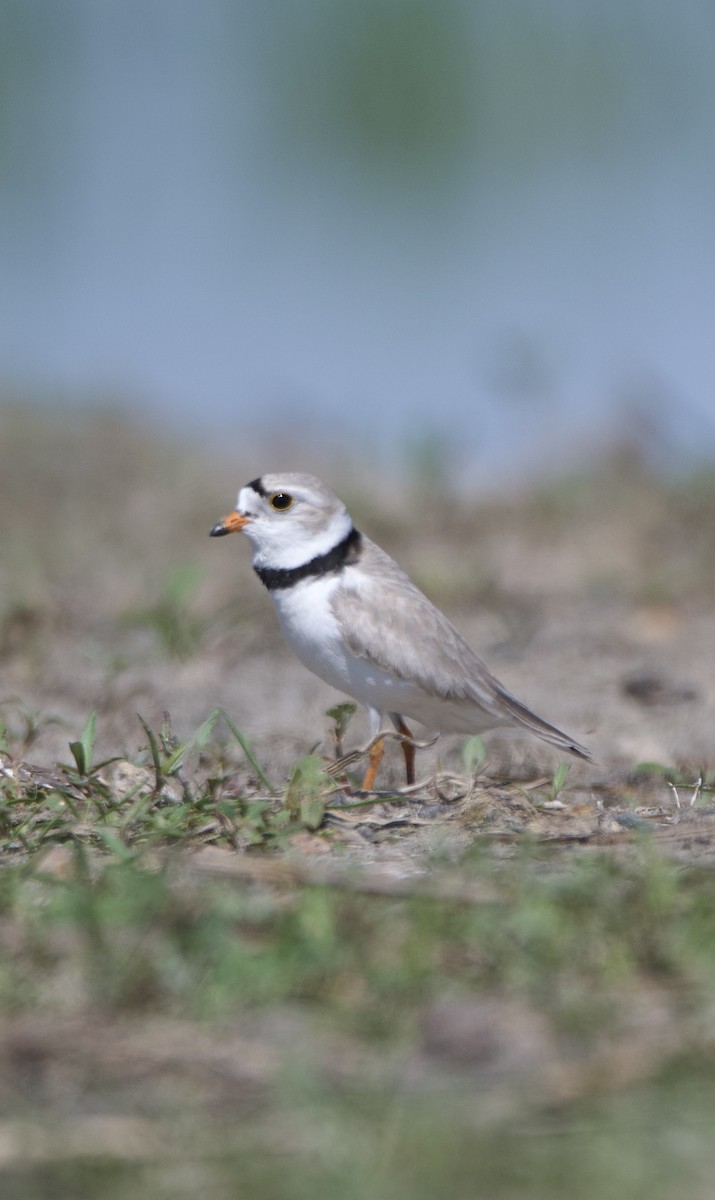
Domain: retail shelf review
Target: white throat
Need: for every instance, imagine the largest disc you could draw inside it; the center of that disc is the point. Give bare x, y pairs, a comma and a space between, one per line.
289, 543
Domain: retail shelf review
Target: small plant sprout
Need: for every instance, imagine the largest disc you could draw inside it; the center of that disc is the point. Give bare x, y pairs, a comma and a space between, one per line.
474, 754
168, 754
559, 779
83, 750
306, 791
341, 715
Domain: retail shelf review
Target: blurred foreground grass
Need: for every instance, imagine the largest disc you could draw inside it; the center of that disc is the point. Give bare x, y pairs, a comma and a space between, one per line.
215, 983
543, 1026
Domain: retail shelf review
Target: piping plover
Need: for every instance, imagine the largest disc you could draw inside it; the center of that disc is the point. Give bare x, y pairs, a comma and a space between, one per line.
358, 621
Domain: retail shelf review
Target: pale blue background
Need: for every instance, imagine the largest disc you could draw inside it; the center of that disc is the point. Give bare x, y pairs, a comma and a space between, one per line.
488, 225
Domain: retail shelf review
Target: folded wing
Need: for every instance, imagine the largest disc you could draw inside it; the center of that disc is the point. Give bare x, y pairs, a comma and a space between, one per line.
402, 632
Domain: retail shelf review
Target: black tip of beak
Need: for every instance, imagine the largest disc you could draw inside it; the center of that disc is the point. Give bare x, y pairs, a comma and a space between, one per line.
219, 531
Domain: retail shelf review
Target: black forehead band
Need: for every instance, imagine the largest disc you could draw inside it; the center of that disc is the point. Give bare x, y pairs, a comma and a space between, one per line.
257, 486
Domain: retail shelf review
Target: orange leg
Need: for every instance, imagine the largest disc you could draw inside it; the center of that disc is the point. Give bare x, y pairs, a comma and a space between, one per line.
408, 749
374, 760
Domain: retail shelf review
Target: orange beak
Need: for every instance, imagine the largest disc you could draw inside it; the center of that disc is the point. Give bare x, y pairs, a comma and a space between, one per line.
230, 524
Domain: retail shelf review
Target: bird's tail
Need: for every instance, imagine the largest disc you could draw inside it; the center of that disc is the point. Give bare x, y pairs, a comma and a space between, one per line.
518, 712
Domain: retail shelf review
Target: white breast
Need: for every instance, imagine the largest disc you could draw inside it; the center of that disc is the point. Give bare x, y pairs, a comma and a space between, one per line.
313, 633
310, 627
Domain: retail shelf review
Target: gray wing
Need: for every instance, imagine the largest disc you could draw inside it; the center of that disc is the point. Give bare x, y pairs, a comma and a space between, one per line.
401, 631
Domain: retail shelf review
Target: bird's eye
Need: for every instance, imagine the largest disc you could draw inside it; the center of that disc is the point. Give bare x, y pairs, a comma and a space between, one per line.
280, 501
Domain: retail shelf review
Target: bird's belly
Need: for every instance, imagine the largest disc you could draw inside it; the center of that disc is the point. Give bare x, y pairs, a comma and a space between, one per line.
313, 633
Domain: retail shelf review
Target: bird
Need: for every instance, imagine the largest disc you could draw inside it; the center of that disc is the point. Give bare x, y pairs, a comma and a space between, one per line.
356, 620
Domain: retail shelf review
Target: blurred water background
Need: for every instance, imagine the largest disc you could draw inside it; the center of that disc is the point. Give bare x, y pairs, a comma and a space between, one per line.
481, 232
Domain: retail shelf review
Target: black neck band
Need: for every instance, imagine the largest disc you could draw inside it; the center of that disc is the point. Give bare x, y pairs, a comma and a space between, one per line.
345, 552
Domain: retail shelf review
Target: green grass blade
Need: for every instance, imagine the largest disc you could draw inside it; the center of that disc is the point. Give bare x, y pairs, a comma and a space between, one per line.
154, 750
83, 750
245, 746
560, 775
198, 739
474, 754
